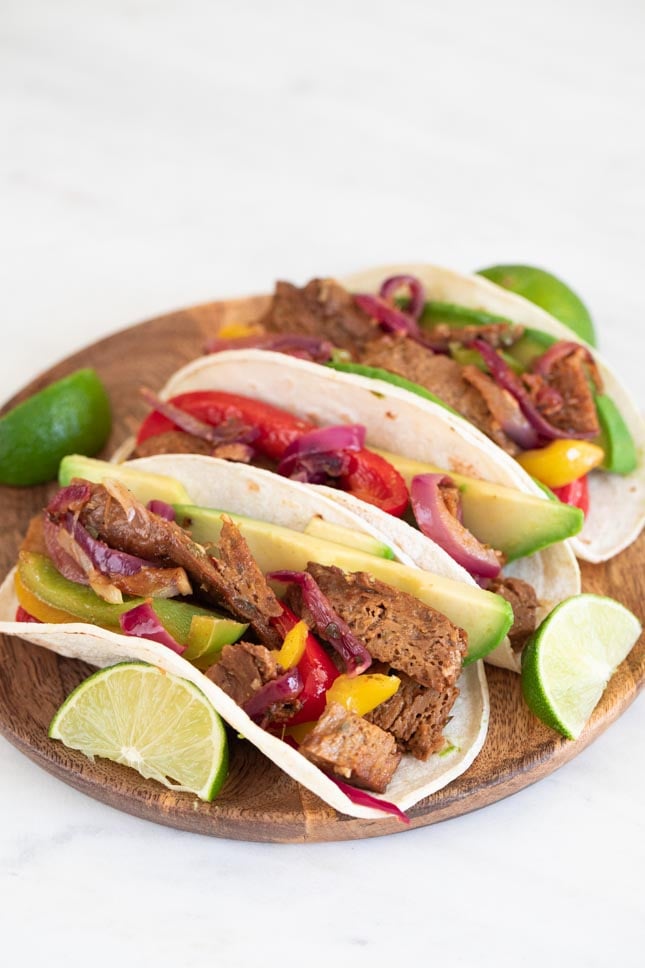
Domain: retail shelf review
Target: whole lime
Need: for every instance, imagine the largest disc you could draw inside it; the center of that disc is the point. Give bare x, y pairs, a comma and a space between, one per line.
71, 415
547, 291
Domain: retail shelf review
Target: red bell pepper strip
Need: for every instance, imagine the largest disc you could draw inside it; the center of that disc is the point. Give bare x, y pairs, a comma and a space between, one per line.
576, 493
372, 479
23, 616
316, 669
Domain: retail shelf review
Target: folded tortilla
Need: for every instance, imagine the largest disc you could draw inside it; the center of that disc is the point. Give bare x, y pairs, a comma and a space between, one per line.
402, 423
257, 493
617, 502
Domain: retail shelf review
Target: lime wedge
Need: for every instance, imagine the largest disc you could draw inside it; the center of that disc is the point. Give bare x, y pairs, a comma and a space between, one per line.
71, 415
160, 725
569, 660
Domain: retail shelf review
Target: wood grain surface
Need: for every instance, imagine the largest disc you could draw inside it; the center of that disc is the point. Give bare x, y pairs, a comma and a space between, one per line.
258, 802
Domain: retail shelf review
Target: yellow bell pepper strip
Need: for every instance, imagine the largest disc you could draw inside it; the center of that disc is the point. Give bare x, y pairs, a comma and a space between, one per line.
239, 330
362, 694
38, 609
562, 461
293, 646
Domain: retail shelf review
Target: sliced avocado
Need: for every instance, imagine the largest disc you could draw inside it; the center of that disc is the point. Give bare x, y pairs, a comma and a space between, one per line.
484, 616
435, 312
42, 579
530, 345
146, 486
506, 519
615, 438
376, 373
319, 528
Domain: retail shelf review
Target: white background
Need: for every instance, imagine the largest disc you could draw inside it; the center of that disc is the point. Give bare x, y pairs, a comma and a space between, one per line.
156, 154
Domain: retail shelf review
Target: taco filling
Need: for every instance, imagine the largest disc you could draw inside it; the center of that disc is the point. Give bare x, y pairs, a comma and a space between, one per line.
351, 670
521, 387
260, 433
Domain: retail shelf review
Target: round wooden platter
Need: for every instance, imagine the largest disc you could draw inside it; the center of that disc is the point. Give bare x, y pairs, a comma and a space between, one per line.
258, 801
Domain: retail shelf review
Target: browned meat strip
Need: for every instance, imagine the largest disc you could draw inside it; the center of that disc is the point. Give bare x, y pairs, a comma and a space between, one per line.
322, 308
572, 408
441, 376
352, 749
416, 716
233, 580
393, 626
173, 442
524, 602
498, 335
502, 405
242, 669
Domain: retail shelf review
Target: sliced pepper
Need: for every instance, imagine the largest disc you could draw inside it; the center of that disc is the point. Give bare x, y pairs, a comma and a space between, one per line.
562, 461
293, 647
372, 478
364, 693
576, 494
316, 669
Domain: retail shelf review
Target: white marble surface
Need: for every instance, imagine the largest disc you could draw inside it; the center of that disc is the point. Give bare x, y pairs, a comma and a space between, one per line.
156, 154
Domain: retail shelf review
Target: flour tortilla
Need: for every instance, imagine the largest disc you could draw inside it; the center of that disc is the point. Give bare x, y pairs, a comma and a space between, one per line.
402, 423
257, 493
617, 502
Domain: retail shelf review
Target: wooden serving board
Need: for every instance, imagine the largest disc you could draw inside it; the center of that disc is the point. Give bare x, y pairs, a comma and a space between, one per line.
258, 802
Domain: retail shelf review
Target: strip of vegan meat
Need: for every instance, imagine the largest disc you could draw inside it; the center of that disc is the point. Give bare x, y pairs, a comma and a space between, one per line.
394, 627
416, 716
439, 374
524, 602
352, 749
575, 409
322, 308
233, 580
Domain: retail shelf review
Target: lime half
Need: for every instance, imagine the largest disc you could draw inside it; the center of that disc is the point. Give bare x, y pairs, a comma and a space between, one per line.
547, 291
160, 725
569, 660
69, 416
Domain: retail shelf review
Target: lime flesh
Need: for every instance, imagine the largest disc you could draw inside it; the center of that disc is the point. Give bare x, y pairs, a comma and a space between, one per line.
547, 291
158, 724
70, 415
569, 660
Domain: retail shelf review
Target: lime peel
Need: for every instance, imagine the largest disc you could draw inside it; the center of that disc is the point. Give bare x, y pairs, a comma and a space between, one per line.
143, 717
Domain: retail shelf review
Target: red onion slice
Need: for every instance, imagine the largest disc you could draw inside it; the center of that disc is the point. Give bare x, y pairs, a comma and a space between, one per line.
391, 319
322, 454
231, 431
70, 498
312, 348
283, 689
413, 284
502, 373
142, 622
436, 522
329, 625
365, 799
164, 510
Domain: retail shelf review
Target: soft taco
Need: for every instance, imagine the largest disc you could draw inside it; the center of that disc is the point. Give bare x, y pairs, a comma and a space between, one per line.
172, 571
393, 458
525, 382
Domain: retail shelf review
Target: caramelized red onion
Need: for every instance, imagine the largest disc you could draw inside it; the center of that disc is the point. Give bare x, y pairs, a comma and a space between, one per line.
329, 625
142, 622
415, 287
436, 522
365, 799
502, 373
320, 454
228, 432
283, 689
558, 351
312, 348
391, 318
164, 510
70, 498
